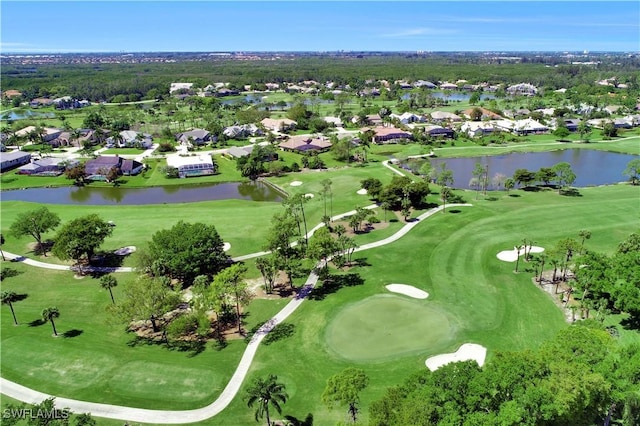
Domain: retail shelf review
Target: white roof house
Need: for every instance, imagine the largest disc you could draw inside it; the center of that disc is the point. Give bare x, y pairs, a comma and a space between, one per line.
521, 127
477, 128
180, 86
188, 166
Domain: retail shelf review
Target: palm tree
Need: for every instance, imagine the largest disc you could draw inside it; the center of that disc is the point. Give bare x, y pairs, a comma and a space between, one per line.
585, 235
8, 297
49, 314
108, 282
518, 248
266, 392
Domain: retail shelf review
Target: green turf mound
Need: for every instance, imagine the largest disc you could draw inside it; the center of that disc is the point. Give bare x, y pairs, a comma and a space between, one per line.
387, 326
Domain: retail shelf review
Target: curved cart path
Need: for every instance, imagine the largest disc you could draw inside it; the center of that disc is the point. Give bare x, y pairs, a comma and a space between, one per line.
142, 415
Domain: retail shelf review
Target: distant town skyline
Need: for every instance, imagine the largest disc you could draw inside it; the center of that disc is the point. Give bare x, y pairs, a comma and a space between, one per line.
218, 26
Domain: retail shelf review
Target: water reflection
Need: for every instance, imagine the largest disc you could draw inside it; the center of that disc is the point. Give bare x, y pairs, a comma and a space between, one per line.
590, 166
254, 191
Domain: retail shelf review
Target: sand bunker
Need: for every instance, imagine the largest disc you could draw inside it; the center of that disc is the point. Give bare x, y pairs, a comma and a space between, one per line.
296, 183
407, 290
361, 191
512, 255
466, 352
226, 247
309, 195
125, 251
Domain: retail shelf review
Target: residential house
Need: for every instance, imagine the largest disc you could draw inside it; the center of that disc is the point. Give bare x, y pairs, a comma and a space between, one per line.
278, 124
305, 144
477, 128
444, 116
129, 139
516, 113
196, 137
389, 135
448, 86
439, 131
239, 151
612, 109
192, 165
37, 102
11, 160
336, 121
130, 167
98, 168
49, 166
523, 89
486, 114
407, 117
527, 126
48, 133
175, 87
242, 131
11, 93
220, 93
426, 84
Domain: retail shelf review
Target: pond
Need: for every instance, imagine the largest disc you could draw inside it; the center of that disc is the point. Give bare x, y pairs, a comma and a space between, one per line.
453, 96
591, 167
20, 115
254, 191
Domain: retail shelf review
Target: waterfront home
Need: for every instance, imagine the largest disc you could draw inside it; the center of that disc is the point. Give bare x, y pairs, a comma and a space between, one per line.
192, 165
49, 166
11, 160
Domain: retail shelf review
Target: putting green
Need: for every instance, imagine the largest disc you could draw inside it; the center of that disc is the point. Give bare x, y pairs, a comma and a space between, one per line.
387, 326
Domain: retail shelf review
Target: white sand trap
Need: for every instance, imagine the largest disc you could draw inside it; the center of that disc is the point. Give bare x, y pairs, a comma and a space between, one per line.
512, 255
124, 251
296, 183
408, 290
309, 195
466, 352
226, 247
361, 191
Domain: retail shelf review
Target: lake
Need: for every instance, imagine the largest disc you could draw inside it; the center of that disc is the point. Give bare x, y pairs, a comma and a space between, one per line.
590, 166
254, 191
12, 115
453, 96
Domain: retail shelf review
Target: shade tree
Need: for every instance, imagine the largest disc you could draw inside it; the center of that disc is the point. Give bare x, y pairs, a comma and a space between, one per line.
632, 171
564, 175
80, 238
230, 282
35, 223
185, 251
344, 389
145, 298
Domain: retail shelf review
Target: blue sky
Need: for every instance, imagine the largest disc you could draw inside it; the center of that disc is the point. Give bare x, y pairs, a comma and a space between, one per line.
144, 26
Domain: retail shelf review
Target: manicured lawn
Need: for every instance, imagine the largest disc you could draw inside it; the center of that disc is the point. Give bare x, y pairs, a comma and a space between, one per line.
451, 255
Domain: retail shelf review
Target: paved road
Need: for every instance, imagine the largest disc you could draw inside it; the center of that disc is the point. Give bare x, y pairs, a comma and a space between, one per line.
31, 396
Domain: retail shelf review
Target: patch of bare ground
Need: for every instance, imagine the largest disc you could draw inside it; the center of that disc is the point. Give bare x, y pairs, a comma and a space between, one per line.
366, 227
560, 292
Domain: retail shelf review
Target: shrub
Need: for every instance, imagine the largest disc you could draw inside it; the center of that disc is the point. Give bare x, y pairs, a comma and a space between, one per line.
166, 147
